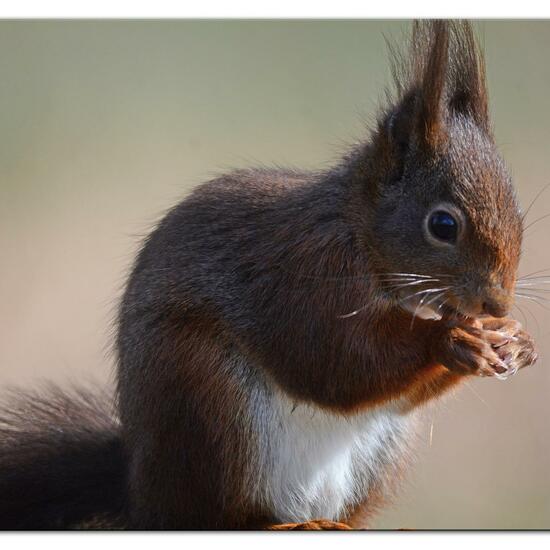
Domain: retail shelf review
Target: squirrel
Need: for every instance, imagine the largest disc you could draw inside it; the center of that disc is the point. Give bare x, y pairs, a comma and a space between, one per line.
280, 330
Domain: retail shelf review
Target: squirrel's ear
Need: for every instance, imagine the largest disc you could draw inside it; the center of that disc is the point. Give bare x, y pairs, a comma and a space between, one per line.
467, 82
431, 110
449, 65
418, 113
441, 75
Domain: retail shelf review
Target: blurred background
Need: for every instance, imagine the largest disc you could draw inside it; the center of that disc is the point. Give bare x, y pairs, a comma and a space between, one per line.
106, 124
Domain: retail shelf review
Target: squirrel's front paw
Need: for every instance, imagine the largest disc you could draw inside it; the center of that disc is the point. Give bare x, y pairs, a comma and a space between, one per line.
519, 351
485, 347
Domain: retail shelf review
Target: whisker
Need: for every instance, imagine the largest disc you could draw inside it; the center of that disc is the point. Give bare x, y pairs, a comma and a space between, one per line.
412, 283
533, 273
534, 200
352, 314
442, 304
520, 311
385, 284
416, 309
536, 221
337, 279
427, 291
524, 295
412, 275
404, 279
534, 318
329, 283
477, 394
326, 277
531, 289
421, 303
535, 299
436, 297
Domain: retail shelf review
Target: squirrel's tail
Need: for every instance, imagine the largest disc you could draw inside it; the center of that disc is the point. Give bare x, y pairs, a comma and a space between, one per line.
62, 462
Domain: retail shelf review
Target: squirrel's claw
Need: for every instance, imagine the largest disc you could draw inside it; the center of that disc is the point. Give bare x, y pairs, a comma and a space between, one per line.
488, 347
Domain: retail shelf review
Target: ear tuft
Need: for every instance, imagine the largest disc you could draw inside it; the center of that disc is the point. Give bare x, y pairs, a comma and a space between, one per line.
433, 62
467, 80
444, 71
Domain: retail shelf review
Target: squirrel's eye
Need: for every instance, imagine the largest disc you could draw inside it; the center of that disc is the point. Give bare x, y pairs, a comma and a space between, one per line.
443, 226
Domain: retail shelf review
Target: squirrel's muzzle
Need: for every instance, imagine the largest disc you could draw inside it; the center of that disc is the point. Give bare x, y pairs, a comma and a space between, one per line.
497, 302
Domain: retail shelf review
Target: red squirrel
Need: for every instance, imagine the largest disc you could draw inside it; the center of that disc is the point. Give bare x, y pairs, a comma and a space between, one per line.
280, 329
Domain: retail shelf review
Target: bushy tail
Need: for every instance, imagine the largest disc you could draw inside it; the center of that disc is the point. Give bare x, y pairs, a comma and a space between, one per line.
62, 463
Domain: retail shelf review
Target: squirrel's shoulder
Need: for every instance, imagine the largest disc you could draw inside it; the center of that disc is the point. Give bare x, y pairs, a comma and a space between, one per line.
254, 182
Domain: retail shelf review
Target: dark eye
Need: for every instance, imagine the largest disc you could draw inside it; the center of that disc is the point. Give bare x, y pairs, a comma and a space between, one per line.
443, 226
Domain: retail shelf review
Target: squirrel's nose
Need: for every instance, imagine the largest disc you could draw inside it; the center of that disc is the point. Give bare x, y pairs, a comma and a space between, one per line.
496, 304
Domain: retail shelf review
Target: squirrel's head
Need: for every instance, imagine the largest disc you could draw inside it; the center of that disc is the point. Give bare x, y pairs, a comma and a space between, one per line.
441, 201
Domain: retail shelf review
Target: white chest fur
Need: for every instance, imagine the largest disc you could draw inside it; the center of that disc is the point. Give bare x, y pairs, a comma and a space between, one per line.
317, 464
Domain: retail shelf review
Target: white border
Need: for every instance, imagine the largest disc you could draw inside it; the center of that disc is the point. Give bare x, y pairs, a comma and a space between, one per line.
403, 9
273, 541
